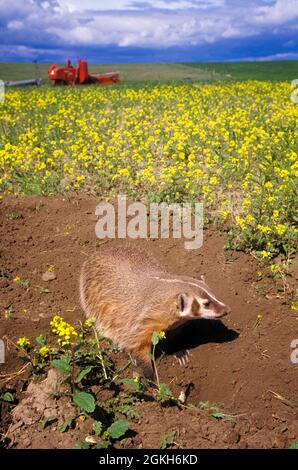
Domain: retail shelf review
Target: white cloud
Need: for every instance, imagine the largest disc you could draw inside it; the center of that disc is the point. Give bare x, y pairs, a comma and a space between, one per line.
15, 24
268, 58
178, 5
234, 32
139, 4
157, 24
152, 30
172, 22
29, 53
278, 13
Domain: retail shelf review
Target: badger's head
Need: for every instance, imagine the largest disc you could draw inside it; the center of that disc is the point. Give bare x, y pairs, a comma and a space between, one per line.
196, 300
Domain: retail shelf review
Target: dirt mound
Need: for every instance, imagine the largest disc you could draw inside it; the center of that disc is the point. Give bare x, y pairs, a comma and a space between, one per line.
237, 363
30, 417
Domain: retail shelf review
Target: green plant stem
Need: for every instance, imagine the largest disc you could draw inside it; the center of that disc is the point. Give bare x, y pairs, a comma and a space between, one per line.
154, 366
121, 370
99, 352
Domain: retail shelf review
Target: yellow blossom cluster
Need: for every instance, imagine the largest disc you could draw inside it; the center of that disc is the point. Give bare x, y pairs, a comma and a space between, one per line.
63, 330
90, 322
23, 342
233, 146
44, 351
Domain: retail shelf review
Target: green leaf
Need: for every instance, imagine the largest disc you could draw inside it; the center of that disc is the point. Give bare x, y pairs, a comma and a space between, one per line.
47, 422
97, 427
85, 401
83, 373
220, 415
66, 425
62, 365
128, 411
8, 312
43, 290
128, 381
137, 386
41, 340
8, 396
167, 440
118, 429
164, 393
294, 445
103, 445
81, 445
155, 338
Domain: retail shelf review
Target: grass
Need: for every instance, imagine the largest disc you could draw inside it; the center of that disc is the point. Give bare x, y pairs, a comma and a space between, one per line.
269, 71
164, 72
128, 72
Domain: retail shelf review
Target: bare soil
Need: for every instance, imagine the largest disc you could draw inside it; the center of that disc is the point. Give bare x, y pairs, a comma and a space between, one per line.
236, 363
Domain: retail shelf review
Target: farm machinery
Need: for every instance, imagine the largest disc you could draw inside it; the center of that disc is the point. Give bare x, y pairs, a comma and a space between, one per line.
70, 75
31, 81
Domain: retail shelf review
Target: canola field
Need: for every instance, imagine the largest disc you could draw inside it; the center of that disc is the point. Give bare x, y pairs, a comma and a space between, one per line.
233, 146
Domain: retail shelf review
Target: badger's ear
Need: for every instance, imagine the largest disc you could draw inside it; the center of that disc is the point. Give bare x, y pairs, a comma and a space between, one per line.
203, 278
184, 304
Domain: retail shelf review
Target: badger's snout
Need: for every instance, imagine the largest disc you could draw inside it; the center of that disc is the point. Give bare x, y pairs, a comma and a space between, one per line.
225, 310
214, 311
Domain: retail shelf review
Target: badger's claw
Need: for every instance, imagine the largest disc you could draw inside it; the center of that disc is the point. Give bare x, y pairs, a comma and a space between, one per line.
182, 357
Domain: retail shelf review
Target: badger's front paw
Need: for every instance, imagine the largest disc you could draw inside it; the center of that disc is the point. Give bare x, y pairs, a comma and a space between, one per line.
182, 357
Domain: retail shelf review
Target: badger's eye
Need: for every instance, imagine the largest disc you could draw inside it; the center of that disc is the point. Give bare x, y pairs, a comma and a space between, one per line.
206, 303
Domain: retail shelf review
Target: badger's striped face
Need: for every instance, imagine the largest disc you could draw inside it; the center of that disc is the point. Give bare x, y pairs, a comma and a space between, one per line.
194, 299
212, 308
200, 302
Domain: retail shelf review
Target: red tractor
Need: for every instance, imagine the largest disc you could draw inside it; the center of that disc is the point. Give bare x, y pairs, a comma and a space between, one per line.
70, 75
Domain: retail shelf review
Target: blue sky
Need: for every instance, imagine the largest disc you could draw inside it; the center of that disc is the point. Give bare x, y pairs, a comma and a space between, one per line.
119, 31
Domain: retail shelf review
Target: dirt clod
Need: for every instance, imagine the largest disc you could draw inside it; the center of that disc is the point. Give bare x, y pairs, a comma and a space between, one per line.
48, 276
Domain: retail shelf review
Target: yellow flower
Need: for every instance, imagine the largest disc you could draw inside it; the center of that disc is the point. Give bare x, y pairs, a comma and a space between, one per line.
124, 172
264, 229
81, 178
246, 203
23, 342
224, 213
281, 229
240, 221
63, 330
44, 351
275, 269
275, 214
249, 218
213, 180
284, 174
90, 322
